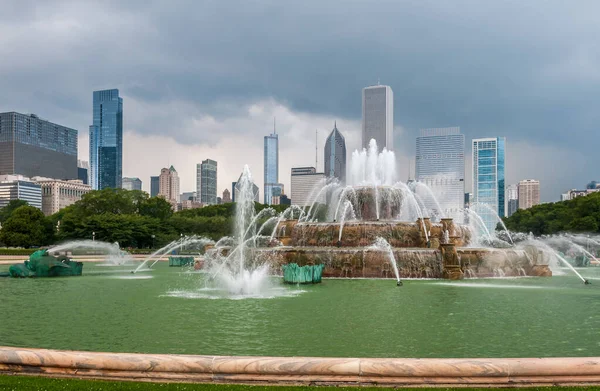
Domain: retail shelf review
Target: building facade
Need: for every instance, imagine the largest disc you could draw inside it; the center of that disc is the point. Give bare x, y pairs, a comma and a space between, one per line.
132, 184
304, 183
188, 196
168, 186
512, 199
57, 194
19, 187
226, 196
83, 171
208, 182
529, 193
335, 155
154, 186
31, 146
488, 179
378, 116
440, 165
271, 165
106, 140
574, 193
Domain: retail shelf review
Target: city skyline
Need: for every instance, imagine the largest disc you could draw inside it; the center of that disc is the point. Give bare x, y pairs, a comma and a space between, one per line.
492, 84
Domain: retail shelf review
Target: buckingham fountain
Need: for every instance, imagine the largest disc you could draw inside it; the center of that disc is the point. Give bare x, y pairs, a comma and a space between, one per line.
375, 227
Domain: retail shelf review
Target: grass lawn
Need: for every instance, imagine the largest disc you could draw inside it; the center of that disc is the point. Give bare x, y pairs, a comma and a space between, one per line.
18, 383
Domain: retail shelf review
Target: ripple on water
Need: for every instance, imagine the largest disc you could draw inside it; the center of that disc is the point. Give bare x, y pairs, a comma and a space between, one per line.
489, 285
132, 277
216, 293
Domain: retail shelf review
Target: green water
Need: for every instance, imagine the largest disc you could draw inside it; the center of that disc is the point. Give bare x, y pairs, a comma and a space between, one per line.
167, 311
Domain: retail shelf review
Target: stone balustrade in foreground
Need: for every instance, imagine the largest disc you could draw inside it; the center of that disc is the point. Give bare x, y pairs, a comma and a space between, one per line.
499, 372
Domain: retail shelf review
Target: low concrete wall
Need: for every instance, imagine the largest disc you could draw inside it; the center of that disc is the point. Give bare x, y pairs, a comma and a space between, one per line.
500, 372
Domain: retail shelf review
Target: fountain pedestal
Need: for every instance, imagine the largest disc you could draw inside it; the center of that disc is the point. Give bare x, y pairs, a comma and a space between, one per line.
450, 262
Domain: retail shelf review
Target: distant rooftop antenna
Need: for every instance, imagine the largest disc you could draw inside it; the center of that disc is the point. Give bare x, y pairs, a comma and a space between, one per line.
316, 149
274, 131
378, 83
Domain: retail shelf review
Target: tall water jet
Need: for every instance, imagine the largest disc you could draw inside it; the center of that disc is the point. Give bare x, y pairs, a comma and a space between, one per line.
237, 270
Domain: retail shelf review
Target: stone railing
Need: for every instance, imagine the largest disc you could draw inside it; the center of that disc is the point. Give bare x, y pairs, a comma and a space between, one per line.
302, 370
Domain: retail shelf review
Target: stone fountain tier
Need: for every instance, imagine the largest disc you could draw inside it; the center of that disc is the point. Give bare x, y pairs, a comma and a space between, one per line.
364, 233
447, 262
372, 203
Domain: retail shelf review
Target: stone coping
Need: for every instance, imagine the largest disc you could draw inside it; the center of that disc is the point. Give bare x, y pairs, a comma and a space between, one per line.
498, 372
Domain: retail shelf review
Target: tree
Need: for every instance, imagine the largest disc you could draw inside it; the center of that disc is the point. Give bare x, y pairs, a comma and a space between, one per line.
26, 227
581, 214
9, 208
156, 207
583, 224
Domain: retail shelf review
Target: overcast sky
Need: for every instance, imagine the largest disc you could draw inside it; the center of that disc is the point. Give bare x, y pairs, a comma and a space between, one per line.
204, 79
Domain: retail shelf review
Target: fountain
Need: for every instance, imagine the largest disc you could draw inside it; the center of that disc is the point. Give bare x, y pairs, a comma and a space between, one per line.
373, 227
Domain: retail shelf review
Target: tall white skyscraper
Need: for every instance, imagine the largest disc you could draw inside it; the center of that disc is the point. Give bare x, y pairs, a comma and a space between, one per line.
378, 116
440, 164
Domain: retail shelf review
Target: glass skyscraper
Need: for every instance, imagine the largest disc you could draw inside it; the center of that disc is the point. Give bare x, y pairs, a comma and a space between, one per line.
208, 182
440, 164
335, 155
488, 179
271, 166
378, 116
106, 140
154, 186
32, 146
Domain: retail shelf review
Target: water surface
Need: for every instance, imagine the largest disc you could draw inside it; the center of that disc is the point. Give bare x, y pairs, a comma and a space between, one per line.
169, 310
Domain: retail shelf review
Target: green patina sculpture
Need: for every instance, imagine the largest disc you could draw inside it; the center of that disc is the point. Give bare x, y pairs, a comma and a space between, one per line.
181, 261
309, 274
42, 264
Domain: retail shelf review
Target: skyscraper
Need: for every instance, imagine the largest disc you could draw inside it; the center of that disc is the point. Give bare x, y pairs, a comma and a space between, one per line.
335, 155
154, 186
208, 182
106, 140
32, 146
226, 196
512, 199
271, 165
488, 179
529, 193
132, 184
378, 116
168, 186
440, 164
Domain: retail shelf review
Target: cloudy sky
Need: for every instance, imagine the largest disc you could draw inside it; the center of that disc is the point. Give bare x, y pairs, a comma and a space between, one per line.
204, 79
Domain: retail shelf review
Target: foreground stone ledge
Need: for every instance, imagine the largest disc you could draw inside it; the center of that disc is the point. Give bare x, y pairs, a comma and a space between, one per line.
498, 372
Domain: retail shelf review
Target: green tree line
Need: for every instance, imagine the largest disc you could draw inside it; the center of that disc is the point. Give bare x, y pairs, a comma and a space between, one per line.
130, 217
581, 214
